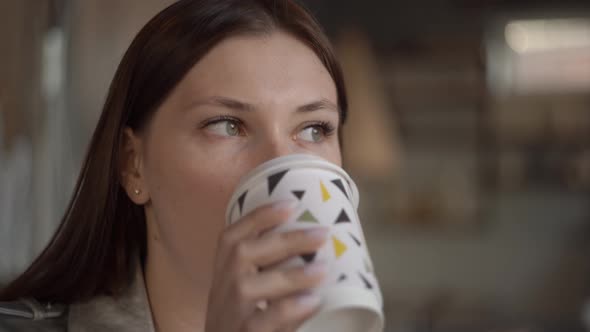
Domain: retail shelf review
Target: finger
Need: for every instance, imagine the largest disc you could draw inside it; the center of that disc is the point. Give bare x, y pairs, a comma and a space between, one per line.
284, 314
273, 248
256, 222
260, 220
277, 283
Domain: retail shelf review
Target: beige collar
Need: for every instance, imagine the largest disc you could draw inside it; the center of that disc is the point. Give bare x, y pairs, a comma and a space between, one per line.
128, 313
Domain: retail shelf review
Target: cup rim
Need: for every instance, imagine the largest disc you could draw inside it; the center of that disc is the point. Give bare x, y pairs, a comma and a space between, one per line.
293, 161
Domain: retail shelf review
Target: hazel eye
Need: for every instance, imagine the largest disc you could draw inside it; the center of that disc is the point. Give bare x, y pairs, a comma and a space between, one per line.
316, 133
225, 127
311, 134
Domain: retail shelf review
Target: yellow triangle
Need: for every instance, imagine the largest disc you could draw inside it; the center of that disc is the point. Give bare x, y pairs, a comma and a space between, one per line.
339, 247
325, 194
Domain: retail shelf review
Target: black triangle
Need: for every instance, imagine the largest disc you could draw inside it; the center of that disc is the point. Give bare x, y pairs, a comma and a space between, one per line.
355, 239
340, 186
298, 193
342, 277
367, 283
343, 217
308, 258
273, 180
241, 200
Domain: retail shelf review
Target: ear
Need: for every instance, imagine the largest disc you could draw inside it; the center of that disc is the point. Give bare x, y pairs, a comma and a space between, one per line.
132, 173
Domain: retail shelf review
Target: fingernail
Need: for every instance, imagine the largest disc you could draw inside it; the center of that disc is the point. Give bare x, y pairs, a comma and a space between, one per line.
319, 233
285, 205
309, 300
315, 269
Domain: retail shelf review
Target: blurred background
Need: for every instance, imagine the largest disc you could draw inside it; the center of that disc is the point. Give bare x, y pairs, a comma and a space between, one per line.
469, 137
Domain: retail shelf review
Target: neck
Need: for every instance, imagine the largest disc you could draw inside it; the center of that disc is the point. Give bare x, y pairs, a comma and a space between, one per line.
178, 302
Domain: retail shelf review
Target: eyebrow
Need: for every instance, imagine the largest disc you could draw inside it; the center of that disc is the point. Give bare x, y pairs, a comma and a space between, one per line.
318, 105
236, 105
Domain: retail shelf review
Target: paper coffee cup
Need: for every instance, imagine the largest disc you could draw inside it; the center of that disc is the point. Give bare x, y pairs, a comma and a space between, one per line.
351, 298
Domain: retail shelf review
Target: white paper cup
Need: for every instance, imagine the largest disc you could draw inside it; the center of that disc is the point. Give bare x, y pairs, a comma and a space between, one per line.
351, 298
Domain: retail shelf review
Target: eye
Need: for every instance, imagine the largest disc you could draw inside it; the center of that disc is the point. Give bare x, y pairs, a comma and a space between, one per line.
225, 127
317, 132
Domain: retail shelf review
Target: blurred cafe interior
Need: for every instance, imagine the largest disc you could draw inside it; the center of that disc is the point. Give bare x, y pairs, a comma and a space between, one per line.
469, 138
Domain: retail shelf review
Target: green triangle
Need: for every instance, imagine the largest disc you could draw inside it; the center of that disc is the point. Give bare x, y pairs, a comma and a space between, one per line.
307, 217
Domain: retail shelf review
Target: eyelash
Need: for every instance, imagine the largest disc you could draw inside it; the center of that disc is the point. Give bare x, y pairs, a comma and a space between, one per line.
327, 128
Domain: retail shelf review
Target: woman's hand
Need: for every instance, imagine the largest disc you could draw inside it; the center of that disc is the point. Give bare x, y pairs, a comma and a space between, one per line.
244, 277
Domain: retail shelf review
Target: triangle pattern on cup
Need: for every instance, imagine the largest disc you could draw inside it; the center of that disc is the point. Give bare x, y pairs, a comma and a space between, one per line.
339, 247
308, 258
365, 281
274, 180
357, 241
325, 193
338, 183
307, 217
342, 277
241, 200
342, 217
298, 193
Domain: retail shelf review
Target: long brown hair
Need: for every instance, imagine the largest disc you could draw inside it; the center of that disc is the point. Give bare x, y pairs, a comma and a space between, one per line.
103, 232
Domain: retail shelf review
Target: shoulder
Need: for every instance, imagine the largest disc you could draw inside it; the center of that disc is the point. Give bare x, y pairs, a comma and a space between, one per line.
30, 315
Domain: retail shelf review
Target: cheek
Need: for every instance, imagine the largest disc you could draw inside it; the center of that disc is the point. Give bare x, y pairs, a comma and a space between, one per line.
189, 189
333, 154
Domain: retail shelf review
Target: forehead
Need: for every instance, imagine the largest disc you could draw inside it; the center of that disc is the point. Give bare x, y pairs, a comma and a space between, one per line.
274, 67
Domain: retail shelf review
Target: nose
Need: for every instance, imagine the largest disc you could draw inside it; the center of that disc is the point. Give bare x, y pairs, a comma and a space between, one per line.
274, 147
272, 143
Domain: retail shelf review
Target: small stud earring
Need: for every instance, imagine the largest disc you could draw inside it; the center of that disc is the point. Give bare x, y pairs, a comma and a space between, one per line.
137, 191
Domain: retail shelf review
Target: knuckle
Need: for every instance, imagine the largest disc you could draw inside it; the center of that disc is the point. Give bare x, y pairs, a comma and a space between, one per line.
290, 242
284, 279
242, 291
241, 252
298, 280
284, 311
287, 236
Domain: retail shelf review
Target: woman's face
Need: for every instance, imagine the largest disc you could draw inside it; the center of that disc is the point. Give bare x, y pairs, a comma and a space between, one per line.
250, 99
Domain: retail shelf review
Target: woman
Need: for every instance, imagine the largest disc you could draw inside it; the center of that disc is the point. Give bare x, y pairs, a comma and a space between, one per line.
208, 90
